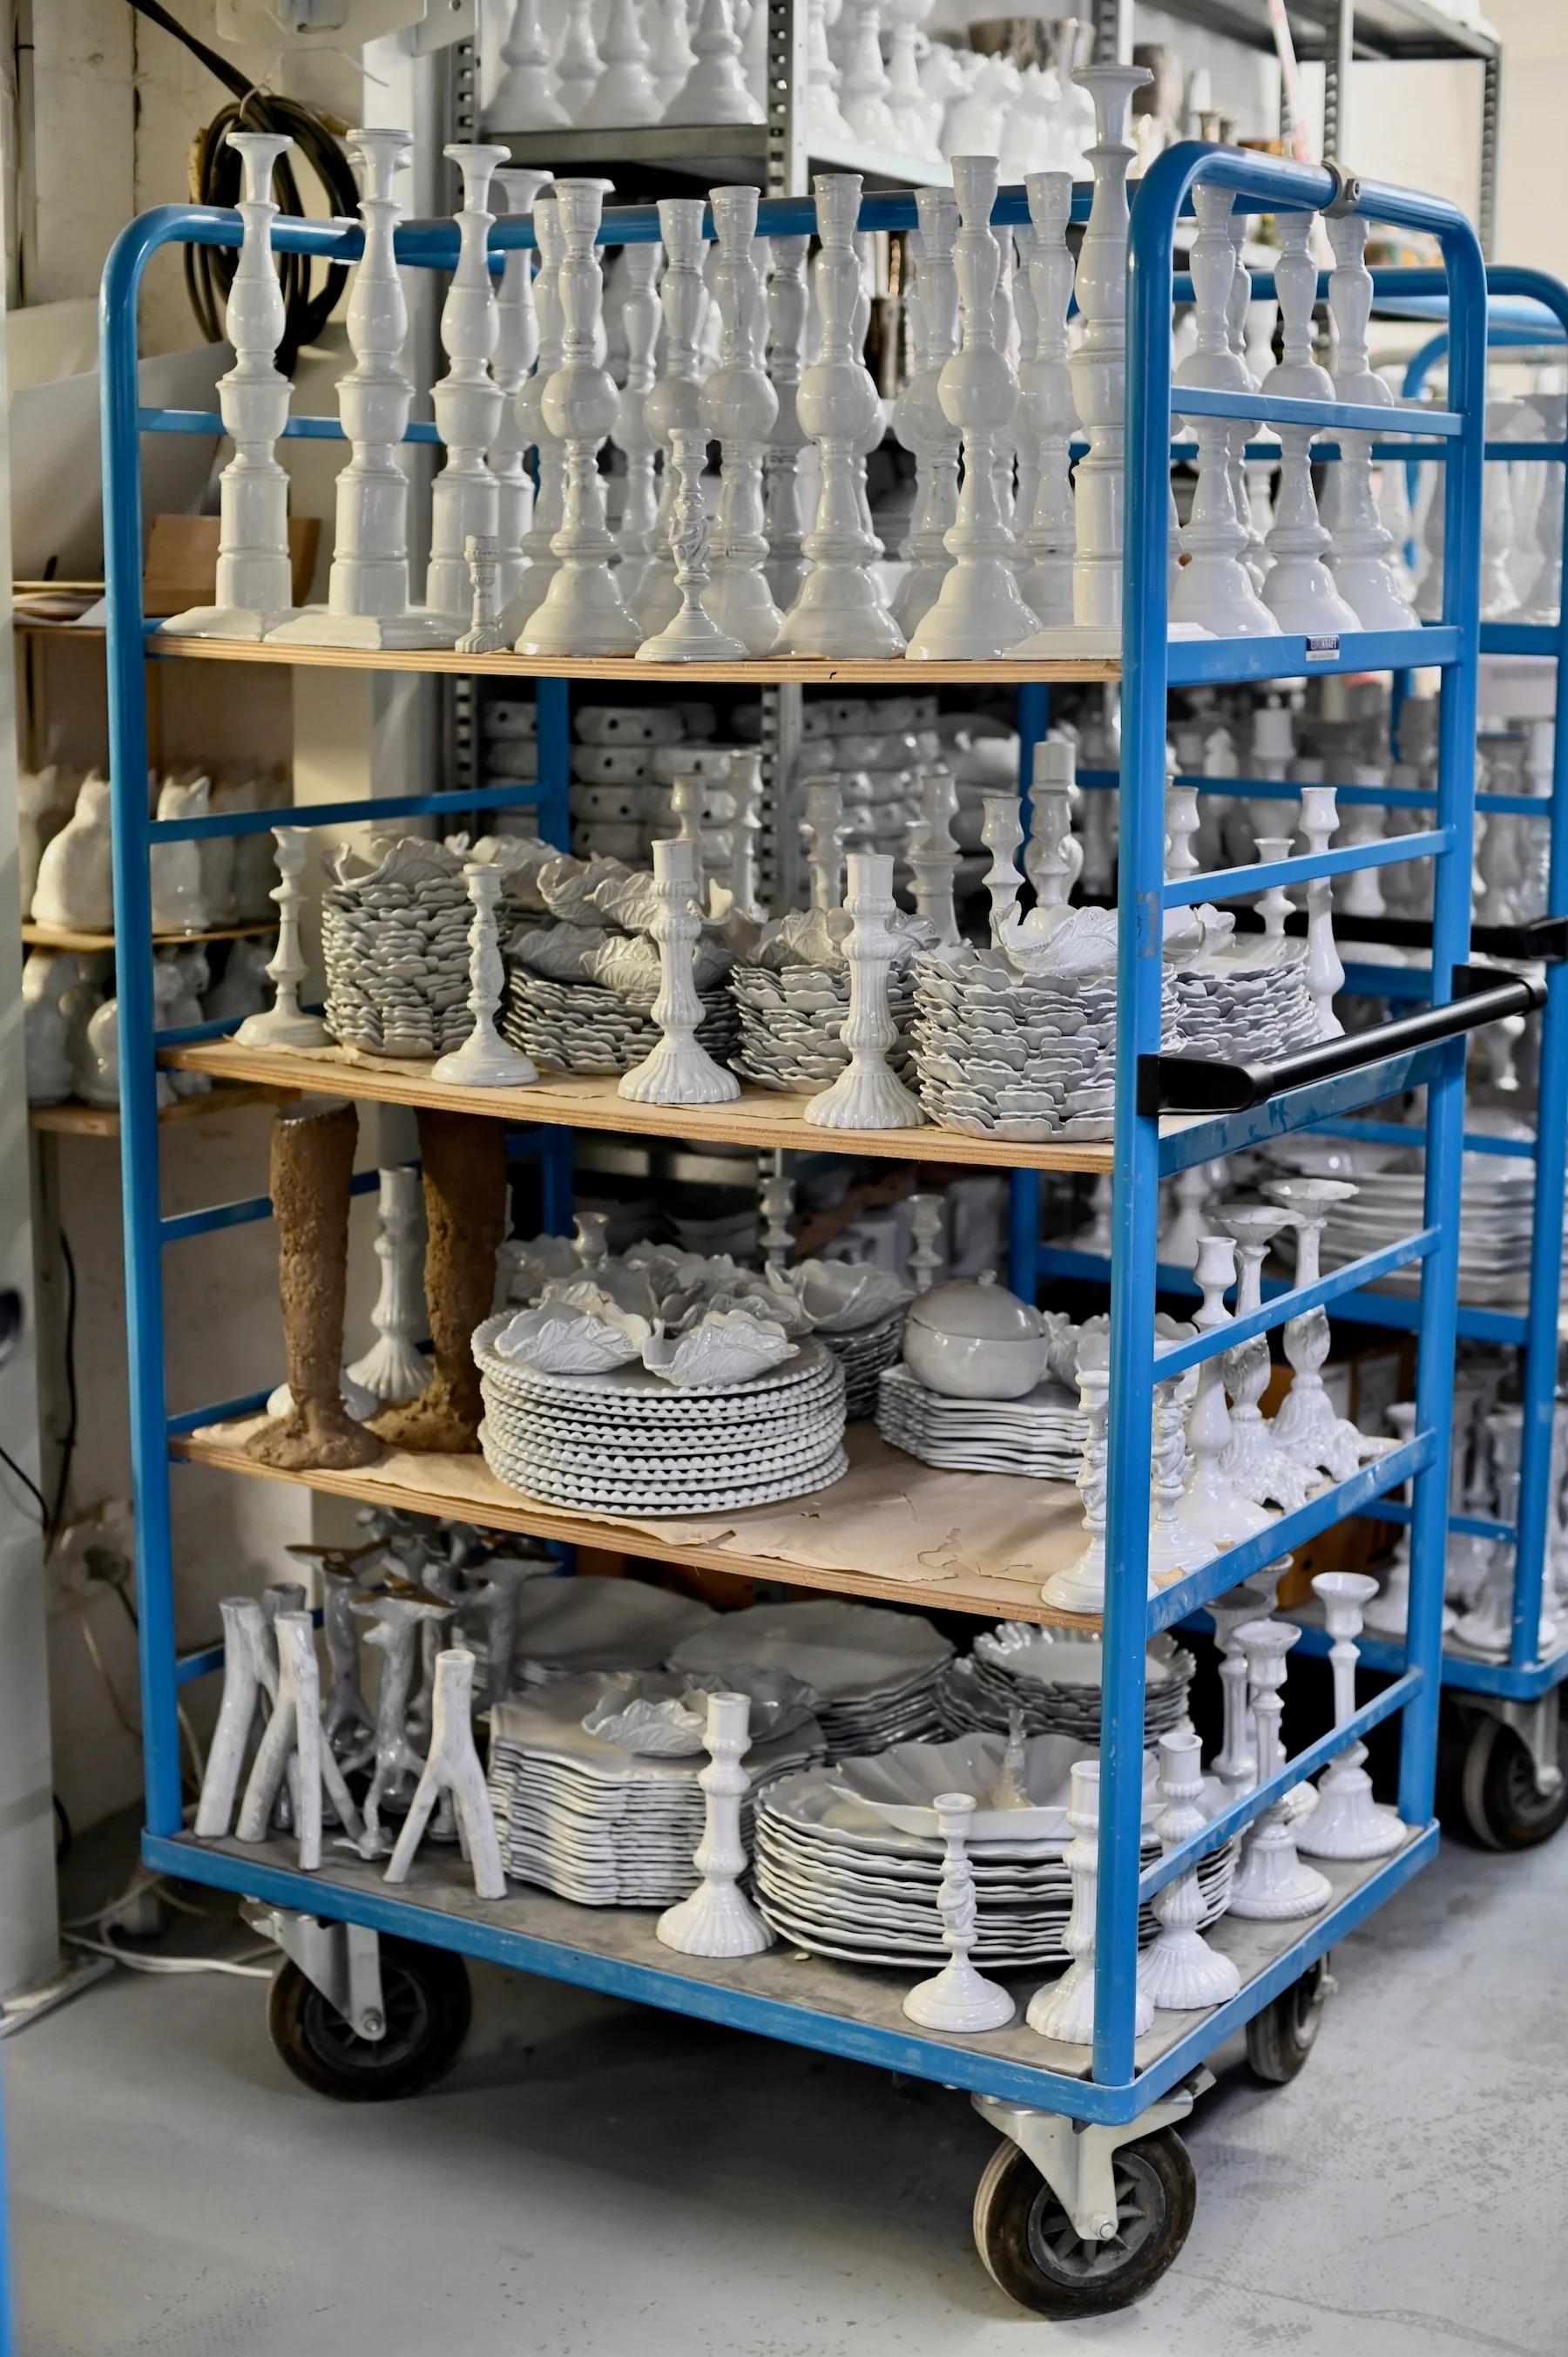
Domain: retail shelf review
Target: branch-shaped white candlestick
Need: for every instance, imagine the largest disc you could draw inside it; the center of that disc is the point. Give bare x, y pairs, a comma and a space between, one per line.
714, 90
1306, 1426
453, 1768
1359, 545
1180, 1971
526, 97
549, 498
1214, 1505
921, 422
1099, 368
740, 409
484, 1061
283, 1024
484, 635
243, 1630
678, 1071
868, 1094
254, 588
1273, 1885
393, 1369
582, 612
1053, 860
632, 434
933, 855
1251, 1463
1001, 832
344, 1714
398, 1622
978, 612
1324, 974
517, 349
958, 1997
1235, 1765
1064, 2008
840, 609
824, 831
1214, 590
625, 94
746, 788
294, 1733
1081, 1588
675, 400
691, 635
1346, 1821
1048, 526
495, 1603
1298, 589
776, 1199
788, 307
468, 401
717, 1919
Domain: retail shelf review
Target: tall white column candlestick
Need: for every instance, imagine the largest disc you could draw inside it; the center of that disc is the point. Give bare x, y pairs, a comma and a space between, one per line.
675, 398
517, 349
1298, 589
740, 409
526, 96
958, 1997
714, 90
1359, 545
1001, 832
1081, 1588
625, 94
1273, 1885
1214, 590
484, 1061
1213, 1504
578, 65
1346, 1821
933, 855
393, 1367
679, 1070
1325, 975
691, 635
921, 422
718, 1919
632, 434
776, 1200
867, 1095
467, 402
1048, 527
824, 830
788, 305
1181, 1973
284, 1024
1064, 2008
746, 786
549, 498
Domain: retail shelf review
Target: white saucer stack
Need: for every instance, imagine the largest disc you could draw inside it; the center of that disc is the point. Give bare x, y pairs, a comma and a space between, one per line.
1041, 1434
1053, 1677
873, 1669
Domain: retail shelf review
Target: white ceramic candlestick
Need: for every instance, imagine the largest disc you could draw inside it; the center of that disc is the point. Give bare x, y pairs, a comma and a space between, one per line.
675, 401
1081, 1588
241, 1620
928, 1214
582, 612
867, 1095
1235, 1765
691, 635
254, 592
1275, 905
578, 65
394, 1369
824, 831
468, 401
1214, 590
549, 498
1299, 588
1488, 1627
788, 305
1346, 1821
933, 855
1050, 534
1024, 457
1214, 1505
678, 1071
1001, 832
484, 1061
714, 91
1307, 1427
283, 1025
1251, 1463
626, 93
1175, 1545
776, 1199
526, 97
1323, 973
294, 1737
1359, 544
746, 791
1273, 1885
1064, 2008
453, 1770
1387, 1610
824, 115
957, 1997
1054, 859
632, 434
840, 610
1543, 598
740, 409
978, 612
671, 55
516, 350
484, 635
1180, 1971
864, 85
1236, 311
921, 422
718, 1919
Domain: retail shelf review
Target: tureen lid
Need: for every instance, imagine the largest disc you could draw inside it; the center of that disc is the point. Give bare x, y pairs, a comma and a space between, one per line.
980, 1310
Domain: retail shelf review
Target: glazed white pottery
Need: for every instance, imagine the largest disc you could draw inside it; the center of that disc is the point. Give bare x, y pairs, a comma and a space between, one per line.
671, 57
75, 885
714, 91
626, 93
578, 65
1251, 1463
1176, 1544
550, 495
824, 831
453, 1769
1053, 860
465, 499
1001, 832
394, 1369
1081, 1586
927, 1217
484, 1061
1235, 1765
1305, 1427
740, 409
526, 97
974, 1339
284, 1025
776, 1202
484, 635
1299, 588
517, 349
863, 84
632, 434
1360, 546
718, 1919
919, 420
46, 975
675, 401
1273, 1885
866, 1093
1181, 1973
788, 307
933, 855
1324, 973
1542, 601
691, 635
1213, 1504
1214, 590
746, 789
1346, 1821
1064, 2009
679, 1072
1050, 533
957, 1997
1386, 1611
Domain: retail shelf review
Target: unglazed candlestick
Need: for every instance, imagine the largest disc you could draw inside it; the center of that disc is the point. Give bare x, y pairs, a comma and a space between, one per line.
675, 400
254, 592
1001, 832
453, 1768
539, 540
345, 1715
484, 1061
484, 635
517, 349
1346, 1821
1251, 1463
933, 855
1064, 2009
740, 409
717, 1919
1213, 1503
632, 434
526, 97
679, 1070
1324, 974
1214, 590
1298, 589
824, 831
243, 1632
625, 94
867, 1095
398, 1619
692, 635
1081, 1588
1049, 529
1180, 1971
840, 609
284, 1024
294, 1735
393, 1367
746, 789
1273, 1885
958, 1997
468, 401
788, 305
921, 422
776, 1198
688, 802
1359, 544
978, 612
714, 90
582, 612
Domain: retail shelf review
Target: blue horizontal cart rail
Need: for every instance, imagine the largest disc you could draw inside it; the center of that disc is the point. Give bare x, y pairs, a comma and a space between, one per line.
1115, 2090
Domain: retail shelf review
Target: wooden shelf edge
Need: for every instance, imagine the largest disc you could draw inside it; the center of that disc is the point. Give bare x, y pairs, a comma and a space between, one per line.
75, 1120
761, 671
71, 937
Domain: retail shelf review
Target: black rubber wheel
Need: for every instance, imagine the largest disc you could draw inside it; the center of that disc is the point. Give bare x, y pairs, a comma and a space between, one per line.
428, 2005
1503, 1808
1280, 2038
1033, 2253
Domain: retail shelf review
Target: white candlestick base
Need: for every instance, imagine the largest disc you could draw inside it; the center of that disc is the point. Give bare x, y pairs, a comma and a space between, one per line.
486, 1062
679, 1073
275, 1027
691, 638
959, 1998
1347, 1823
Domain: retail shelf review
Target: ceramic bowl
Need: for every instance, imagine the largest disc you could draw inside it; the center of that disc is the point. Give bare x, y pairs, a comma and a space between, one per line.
975, 1341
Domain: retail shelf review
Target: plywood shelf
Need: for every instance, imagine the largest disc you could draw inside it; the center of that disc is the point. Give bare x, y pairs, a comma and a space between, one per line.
758, 1119
75, 1120
767, 670
77, 937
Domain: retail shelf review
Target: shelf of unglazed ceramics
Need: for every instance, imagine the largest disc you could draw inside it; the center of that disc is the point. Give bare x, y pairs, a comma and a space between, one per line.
903, 1516
605, 1947
715, 155
765, 671
74, 1120
73, 936
564, 1101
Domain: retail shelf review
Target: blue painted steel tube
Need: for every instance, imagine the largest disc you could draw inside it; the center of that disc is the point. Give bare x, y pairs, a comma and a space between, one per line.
1024, 1185
553, 728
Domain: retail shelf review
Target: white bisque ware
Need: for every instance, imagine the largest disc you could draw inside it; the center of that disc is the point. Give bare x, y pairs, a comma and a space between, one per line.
919, 420
788, 308
452, 1770
394, 1369
293, 1749
1273, 1885
978, 612
1180, 1971
284, 1024
578, 65
1299, 589
631, 433
1064, 2008
958, 1997
396, 1631
253, 593
549, 498
673, 402
1213, 1503
1213, 591
517, 349
1081, 1588
739, 408
484, 1060
465, 499
1346, 1823
484, 635
679, 1070
1048, 532
1360, 549
718, 1919
867, 1095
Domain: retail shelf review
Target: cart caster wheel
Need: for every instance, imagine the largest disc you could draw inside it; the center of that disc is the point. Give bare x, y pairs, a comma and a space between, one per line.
1503, 1808
428, 2005
1280, 2038
1033, 2252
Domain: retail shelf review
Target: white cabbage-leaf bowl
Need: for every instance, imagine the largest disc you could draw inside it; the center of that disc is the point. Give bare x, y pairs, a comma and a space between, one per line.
726, 1347
586, 1335
840, 1296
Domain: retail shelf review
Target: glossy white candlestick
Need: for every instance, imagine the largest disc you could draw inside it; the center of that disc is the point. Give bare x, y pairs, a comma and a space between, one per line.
1360, 546
484, 1061
740, 409
1346, 1823
1273, 1885
284, 1024
679, 1070
919, 420
465, 499
394, 1369
718, 1919
867, 1095
1064, 2008
1181, 1973
958, 1997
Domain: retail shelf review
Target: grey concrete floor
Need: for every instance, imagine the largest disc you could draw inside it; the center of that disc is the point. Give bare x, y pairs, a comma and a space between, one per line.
596, 2181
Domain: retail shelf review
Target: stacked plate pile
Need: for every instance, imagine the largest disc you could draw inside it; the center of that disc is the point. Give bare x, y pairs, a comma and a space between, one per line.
595, 1820
1495, 1224
1053, 1676
864, 1358
874, 1671
394, 942
577, 1027
789, 1022
1041, 1434
1233, 1005
999, 1055
627, 1442
567, 1627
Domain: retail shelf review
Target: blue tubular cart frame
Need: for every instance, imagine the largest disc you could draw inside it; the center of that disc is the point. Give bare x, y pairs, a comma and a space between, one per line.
526, 1932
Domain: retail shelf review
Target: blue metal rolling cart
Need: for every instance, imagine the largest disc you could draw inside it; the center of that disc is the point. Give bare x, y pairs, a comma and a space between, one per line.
1091, 2189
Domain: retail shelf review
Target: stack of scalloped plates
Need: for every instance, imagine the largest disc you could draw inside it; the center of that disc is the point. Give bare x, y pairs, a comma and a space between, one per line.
864, 1355
1239, 1003
790, 1019
628, 1442
1041, 1434
578, 1026
1053, 1676
873, 1669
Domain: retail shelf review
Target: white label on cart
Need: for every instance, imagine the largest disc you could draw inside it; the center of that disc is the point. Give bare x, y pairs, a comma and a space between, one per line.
1323, 650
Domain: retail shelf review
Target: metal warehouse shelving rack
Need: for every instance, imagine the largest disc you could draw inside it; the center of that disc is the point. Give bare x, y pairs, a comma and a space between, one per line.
1171, 1112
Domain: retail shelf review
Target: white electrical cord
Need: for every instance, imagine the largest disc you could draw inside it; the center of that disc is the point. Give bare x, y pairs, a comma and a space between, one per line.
240, 1968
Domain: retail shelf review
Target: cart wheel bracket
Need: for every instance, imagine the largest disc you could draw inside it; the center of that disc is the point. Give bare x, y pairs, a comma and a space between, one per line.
1075, 2157
1536, 1726
343, 1960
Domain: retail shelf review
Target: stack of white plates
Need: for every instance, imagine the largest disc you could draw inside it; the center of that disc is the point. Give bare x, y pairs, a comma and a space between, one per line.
1041, 1433
790, 1020
1238, 1005
578, 1026
1026, 1060
1053, 1676
864, 1356
627, 1442
873, 1669
1493, 1225
596, 1823
565, 1627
